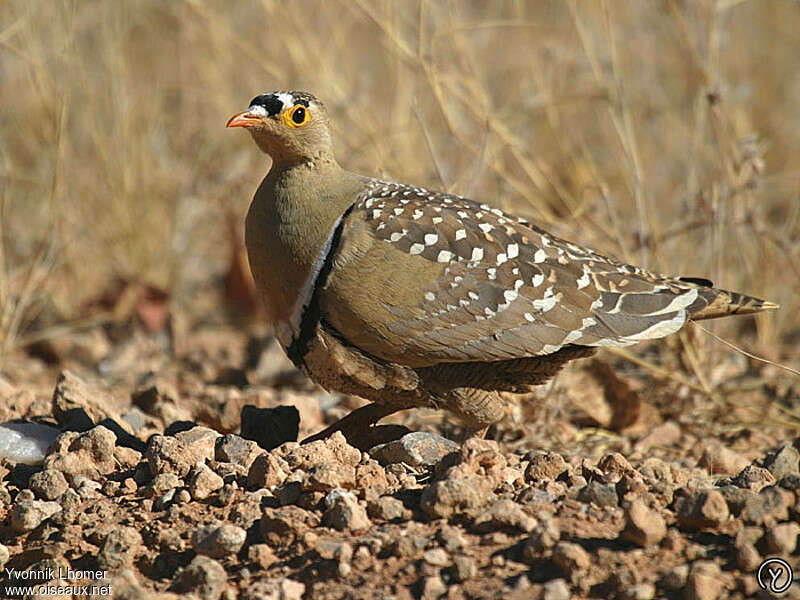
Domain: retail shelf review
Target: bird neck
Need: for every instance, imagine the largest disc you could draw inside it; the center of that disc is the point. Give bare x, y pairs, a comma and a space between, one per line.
290, 219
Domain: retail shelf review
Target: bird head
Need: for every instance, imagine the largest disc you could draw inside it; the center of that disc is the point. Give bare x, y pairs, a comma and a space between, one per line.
292, 127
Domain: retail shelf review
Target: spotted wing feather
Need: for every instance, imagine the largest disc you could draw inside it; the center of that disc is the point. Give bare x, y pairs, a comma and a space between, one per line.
504, 288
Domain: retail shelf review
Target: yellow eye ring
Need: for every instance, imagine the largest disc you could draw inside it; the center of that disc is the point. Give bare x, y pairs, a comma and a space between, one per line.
297, 116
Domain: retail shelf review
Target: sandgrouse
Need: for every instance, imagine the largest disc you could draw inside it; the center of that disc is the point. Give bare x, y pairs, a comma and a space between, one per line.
410, 297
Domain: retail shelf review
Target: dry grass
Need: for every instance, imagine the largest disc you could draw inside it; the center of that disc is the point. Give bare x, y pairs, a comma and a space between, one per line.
666, 133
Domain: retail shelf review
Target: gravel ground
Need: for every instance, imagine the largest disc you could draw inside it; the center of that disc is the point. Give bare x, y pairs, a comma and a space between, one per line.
175, 475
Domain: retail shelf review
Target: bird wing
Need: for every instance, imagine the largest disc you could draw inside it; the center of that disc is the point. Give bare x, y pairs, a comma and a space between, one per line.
424, 277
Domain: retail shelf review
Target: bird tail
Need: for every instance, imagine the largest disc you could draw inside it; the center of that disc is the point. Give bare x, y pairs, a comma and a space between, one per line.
713, 303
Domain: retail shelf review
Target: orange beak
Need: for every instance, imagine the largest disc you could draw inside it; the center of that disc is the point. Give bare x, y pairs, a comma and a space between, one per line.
244, 119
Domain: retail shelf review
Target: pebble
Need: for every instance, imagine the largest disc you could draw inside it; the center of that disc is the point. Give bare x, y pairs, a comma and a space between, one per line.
388, 508
119, 548
704, 581
753, 478
267, 471
784, 461
417, 449
218, 540
702, 510
643, 526
329, 475
281, 527
601, 494
782, 538
26, 443
270, 427
344, 512
437, 557
544, 465
89, 454
48, 484
556, 589
464, 568
543, 538
504, 514
720, 460
274, 589
204, 577
442, 499
27, 515
571, 557
261, 555
203, 482
179, 454
235, 449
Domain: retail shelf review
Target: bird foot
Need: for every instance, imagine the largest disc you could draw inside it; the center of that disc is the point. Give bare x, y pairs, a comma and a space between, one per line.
359, 427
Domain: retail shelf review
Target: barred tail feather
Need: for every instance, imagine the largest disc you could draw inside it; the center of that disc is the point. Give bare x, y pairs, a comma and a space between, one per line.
712, 303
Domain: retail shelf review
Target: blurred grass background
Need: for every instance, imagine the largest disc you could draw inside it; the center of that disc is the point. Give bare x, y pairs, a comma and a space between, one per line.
666, 133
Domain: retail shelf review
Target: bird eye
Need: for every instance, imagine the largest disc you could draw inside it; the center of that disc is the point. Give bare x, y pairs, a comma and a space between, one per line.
297, 116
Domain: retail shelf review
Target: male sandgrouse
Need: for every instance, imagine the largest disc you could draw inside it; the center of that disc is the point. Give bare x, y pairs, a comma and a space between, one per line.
409, 297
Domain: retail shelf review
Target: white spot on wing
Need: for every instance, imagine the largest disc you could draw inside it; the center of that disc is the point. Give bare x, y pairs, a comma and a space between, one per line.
416, 248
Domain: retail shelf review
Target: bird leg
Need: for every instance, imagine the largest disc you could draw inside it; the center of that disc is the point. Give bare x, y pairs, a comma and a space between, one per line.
359, 426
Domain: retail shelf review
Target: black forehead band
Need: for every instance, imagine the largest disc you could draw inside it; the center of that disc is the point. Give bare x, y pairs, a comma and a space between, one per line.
272, 104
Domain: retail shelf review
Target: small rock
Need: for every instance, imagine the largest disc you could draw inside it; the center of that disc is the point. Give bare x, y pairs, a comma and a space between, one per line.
267, 471
274, 589
418, 449
543, 538
178, 454
702, 510
442, 499
720, 460
544, 465
616, 465
203, 482
437, 557
48, 484
119, 548
504, 514
770, 501
261, 555
89, 454
433, 588
675, 578
27, 515
556, 589
704, 581
205, 577
571, 557
280, 527
785, 461
334, 550
747, 557
753, 478
601, 494
329, 475
782, 538
4, 555
643, 527
344, 512
26, 443
464, 568
218, 540
270, 427
235, 449
388, 508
